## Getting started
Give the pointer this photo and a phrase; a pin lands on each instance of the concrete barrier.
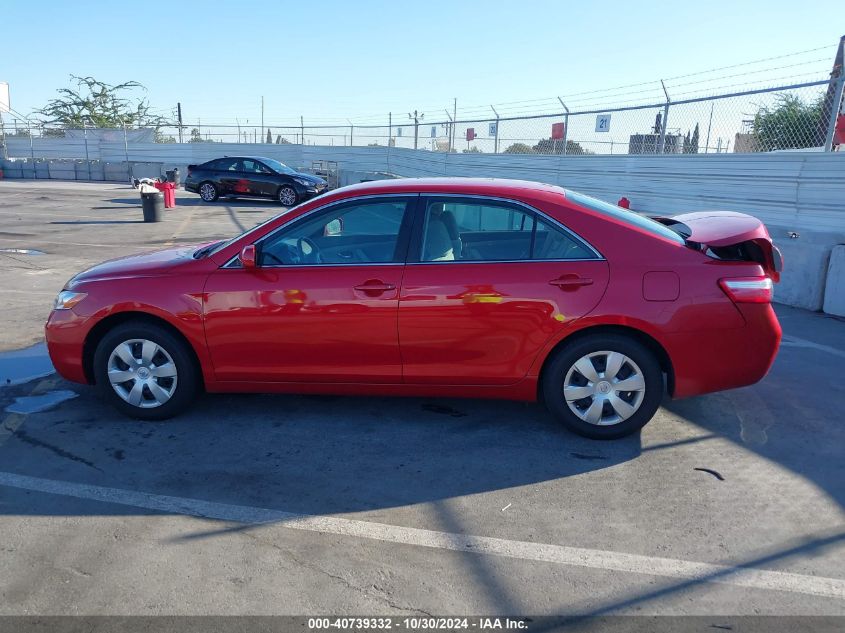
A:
(834, 294)
(804, 270)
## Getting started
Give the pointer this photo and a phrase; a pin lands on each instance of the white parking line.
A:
(556, 554)
(794, 341)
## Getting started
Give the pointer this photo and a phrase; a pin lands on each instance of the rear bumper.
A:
(716, 360)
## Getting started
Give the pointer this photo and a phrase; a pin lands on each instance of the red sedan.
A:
(436, 287)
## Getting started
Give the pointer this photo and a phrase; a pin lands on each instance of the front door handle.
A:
(571, 282)
(374, 286)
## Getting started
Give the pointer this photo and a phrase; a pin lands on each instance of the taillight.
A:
(747, 289)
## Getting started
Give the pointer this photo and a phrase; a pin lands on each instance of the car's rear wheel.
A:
(209, 192)
(603, 386)
(287, 196)
(145, 371)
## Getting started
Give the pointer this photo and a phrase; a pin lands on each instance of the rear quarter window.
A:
(623, 215)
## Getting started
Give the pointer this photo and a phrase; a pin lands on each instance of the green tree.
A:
(790, 123)
(519, 148)
(555, 146)
(269, 140)
(281, 140)
(98, 104)
(196, 137)
(693, 143)
(472, 150)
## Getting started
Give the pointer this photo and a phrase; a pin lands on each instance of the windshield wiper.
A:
(205, 250)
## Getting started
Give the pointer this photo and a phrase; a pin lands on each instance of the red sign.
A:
(557, 130)
(471, 134)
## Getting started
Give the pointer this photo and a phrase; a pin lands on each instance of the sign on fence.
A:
(557, 131)
(603, 123)
(492, 131)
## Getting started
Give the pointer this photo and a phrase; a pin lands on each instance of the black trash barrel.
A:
(153, 205)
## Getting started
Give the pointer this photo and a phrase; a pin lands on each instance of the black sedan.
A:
(252, 176)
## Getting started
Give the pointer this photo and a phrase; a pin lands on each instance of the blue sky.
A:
(333, 60)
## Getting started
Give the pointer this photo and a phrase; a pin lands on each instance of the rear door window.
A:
(478, 230)
(225, 164)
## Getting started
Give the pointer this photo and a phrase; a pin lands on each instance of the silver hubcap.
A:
(604, 388)
(287, 196)
(142, 373)
(207, 192)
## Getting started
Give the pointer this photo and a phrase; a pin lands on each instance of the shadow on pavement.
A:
(300, 454)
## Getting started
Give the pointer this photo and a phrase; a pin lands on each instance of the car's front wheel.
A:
(603, 386)
(208, 192)
(287, 196)
(145, 371)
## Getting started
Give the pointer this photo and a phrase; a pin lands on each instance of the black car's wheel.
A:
(287, 196)
(209, 192)
(603, 386)
(145, 371)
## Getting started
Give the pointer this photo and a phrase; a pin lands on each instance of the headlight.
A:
(67, 299)
(303, 182)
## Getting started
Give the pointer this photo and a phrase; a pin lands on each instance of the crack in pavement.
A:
(23, 436)
(363, 590)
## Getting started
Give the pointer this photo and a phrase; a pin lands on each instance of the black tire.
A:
(559, 366)
(287, 190)
(215, 195)
(185, 382)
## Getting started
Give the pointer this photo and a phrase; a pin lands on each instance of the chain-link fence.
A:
(796, 116)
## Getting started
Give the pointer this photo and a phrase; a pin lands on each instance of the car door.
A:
(262, 181)
(487, 283)
(322, 304)
(227, 171)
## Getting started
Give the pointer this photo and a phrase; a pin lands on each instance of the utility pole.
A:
(833, 99)
(262, 118)
(565, 124)
(454, 122)
(496, 137)
(302, 128)
(416, 117)
(238, 123)
(179, 117)
(661, 142)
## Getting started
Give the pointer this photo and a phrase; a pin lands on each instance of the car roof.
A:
(454, 185)
(242, 157)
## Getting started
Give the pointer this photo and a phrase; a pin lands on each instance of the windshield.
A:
(279, 167)
(629, 217)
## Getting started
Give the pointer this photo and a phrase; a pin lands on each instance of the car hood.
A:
(140, 265)
(310, 178)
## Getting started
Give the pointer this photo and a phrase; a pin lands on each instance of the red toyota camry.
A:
(436, 287)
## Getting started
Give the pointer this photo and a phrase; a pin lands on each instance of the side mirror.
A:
(335, 227)
(248, 257)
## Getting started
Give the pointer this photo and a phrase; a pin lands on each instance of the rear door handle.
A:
(571, 282)
(375, 286)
